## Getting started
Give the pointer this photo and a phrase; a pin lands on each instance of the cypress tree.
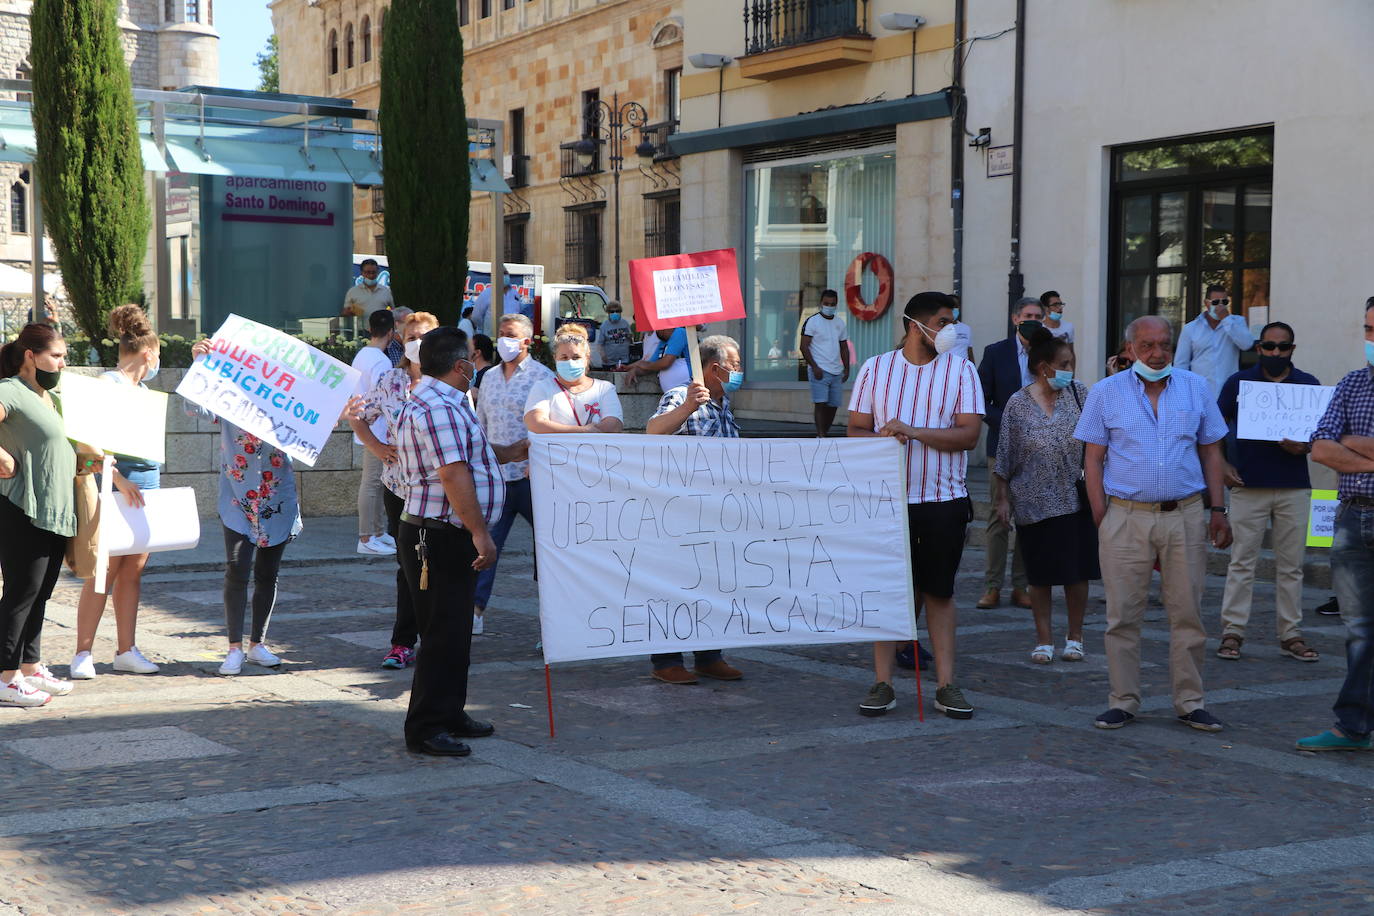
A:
(89, 166)
(425, 156)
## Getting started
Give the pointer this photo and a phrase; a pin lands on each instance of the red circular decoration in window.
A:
(853, 294)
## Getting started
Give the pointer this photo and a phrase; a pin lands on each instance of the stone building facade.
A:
(535, 66)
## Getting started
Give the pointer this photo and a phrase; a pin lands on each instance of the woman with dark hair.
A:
(1037, 479)
(37, 508)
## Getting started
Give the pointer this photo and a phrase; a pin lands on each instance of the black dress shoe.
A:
(468, 727)
(441, 745)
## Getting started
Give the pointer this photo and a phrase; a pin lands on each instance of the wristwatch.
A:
(1222, 509)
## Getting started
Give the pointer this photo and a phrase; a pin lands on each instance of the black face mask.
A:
(45, 379)
(1274, 365)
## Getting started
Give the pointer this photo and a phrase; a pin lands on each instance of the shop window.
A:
(1187, 214)
(809, 221)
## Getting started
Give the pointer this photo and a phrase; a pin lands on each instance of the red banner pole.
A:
(548, 692)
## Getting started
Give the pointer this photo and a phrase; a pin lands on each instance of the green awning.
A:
(17, 144)
(152, 159)
(216, 156)
(364, 166)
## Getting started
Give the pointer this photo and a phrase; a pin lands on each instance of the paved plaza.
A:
(291, 790)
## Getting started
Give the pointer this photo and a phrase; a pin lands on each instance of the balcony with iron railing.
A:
(785, 38)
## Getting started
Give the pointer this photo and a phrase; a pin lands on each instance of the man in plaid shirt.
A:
(1344, 442)
(698, 409)
(453, 490)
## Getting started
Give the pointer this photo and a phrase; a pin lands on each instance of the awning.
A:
(152, 159)
(17, 144)
(215, 156)
(486, 176)
(364, 166)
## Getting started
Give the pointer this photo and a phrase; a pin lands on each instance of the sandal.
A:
(1230, 647)
(1042, 655)
(1073, 650)
(1300, 650)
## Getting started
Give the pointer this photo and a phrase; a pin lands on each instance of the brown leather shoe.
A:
(991, 599)
(1020, 598)
(719, 670)
(675, 675)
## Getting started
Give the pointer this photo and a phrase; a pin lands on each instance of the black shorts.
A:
(937, 544)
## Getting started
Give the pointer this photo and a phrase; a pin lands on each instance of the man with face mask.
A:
(1269, 482)
(825, 348)
(615, 336)
(700, 407)
(368, 295)
(1211, 343)
(1152, 444)
(1004, 372)
(453, 491)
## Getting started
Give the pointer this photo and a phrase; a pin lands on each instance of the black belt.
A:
(432, 523)
(1364, 502)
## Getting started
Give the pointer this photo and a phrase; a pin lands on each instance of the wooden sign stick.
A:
(694, 353)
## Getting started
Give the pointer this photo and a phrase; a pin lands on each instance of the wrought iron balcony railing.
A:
(773, 24)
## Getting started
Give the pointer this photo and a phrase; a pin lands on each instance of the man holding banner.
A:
(453, 491)
(698, 409)
(933, 404)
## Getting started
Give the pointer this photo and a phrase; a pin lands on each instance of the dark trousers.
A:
(519, 502)
(242, 557)
(403, 630)
(674, 659)
(30, 561)
(1352, 573)
(443, 613)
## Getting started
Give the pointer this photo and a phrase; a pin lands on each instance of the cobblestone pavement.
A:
(290, 790)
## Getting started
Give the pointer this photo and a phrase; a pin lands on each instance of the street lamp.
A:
(613, 123)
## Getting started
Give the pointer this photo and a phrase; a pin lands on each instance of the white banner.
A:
(271, 385)
(1273, 412)
(652, 544)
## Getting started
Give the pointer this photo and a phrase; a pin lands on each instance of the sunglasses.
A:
(1218, 301)
(1269, 346)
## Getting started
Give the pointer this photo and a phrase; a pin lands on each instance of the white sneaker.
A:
(259, 655)
(233, 663)
(134, 662)
(83, 667)
(386, 539)
(19, 692)
(375, 547)
(477, 624)
(45, 681)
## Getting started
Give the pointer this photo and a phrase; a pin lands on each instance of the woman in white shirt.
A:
(573, 401)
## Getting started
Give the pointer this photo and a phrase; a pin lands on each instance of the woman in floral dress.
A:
(260, 514)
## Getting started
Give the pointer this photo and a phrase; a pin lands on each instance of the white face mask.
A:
(508, 348)
(947, 339)
(413, 350)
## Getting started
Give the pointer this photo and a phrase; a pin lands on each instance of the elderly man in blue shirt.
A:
(1153, 442)
(1211, 343)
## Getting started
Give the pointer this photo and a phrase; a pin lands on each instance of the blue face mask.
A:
(734, 382)
(956, 314)
(152, 373)
(1369, 352)
(612, 317)
(570, 370)
(1062, 379)
(1152, 375)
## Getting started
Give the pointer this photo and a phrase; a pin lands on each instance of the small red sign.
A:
(678, 290)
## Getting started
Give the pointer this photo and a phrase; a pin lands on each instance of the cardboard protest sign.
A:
(675, 543)
(1274, 412)
(271, 385)
(115, 418)
(680, 290)
(1321, 518)
(168, 520)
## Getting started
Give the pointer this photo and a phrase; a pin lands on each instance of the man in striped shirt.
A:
(933, 404)
(453, 492)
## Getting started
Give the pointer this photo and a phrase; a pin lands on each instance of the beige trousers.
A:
(1252, 508)
(998, 537)
(1129, 540)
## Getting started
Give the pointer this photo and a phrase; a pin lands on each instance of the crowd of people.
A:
(1137, 473)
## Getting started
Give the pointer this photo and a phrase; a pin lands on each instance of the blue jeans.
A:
(1352, 572)
(518, 502)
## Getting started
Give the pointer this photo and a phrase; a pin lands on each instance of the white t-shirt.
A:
(580, 408)
(369, 299)
(1065, 330)
(372, 362)
(827, 335)
(891, 388)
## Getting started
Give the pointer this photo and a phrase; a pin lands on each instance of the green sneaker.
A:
(881, 697)
(1330, 741)
(950, 701)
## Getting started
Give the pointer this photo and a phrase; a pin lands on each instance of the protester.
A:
(930, 401)
(139, 356)
(1053, 306)
(465, 323)
(1037, 475)
(511, 304)
(483, 357)
(963, 334)
(1344, 442)
(453, 490)
(1153, 444)
(615, 336)
(1269, 481)
(1210, 345)
(37, 508)
(825, 349)
(1003, 372)
(383, 404)
(501, 410)
(700, 407)
(573, 401)
(368, 296)
(668, 359)
(372, 363)
(260, 515)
